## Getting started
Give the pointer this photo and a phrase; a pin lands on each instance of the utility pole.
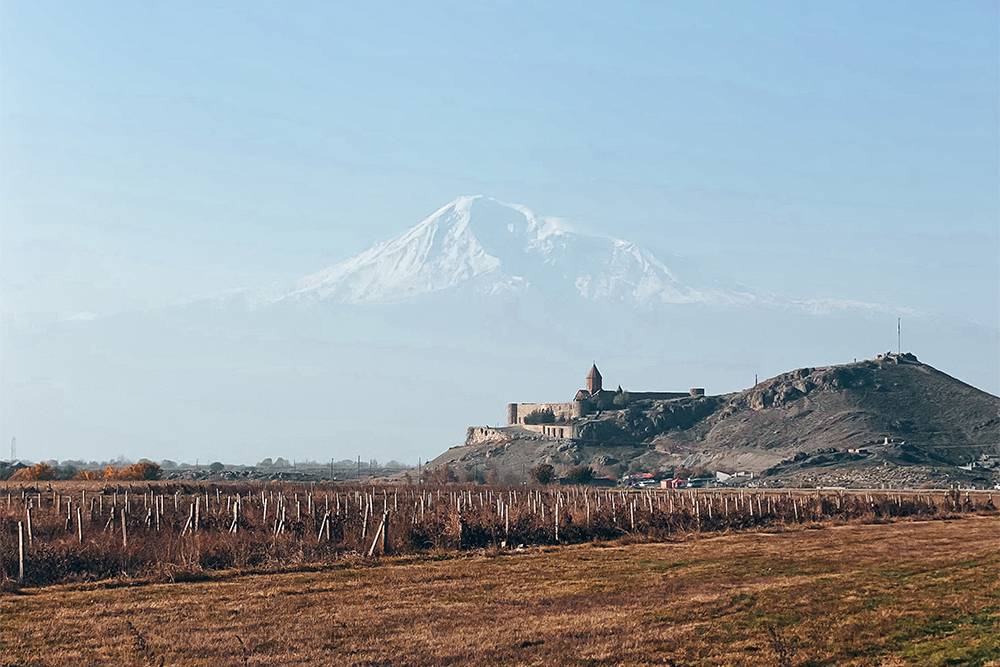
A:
(13, 449)
(359, 468)
(899, 338)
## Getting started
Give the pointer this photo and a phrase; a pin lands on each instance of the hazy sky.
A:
(150, 152)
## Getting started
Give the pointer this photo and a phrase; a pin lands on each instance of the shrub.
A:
(542, 473)
(543, 416)
(701, 472)
(138, 471)
(580, 474)
(442, 475)
(36, 472)
(621, 400)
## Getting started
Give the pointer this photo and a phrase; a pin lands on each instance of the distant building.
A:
(565, 420)
(565, 417)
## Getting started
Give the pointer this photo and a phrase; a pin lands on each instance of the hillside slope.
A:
(890, 419)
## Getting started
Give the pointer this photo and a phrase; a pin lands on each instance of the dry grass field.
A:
(907, 593)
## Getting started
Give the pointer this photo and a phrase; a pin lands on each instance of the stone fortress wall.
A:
(567, 415)
(478, 435)
(516, 412)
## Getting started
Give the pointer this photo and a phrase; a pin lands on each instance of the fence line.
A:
(133, 529)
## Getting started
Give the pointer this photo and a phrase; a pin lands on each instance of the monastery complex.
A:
(563, 420)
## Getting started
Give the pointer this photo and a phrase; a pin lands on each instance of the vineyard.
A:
(71, 531)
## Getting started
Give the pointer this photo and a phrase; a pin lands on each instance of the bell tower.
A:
(594, 380)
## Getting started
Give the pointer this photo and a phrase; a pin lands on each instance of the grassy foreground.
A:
(911, 593)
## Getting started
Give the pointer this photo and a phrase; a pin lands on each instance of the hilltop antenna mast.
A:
(899, 338)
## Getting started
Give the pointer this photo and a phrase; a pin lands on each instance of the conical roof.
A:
(594, 374)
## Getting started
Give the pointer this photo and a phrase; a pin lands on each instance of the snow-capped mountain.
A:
(492, 247)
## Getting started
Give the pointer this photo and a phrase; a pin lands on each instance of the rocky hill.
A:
(888, 420)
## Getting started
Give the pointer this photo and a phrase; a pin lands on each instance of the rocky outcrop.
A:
(873, 417)
(642, 421)
(788, 387)
(478, 435)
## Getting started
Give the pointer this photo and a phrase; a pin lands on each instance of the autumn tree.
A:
(542, 473)
(580, 474)
(135, 472)
(39, 471)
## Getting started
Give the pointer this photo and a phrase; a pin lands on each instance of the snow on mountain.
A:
(493, 247)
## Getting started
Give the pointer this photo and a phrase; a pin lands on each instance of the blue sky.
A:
(151, 152)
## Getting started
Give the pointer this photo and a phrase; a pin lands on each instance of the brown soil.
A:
(914, 593)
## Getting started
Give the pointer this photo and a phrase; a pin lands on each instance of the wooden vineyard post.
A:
(124, 533)
(557, 521)
(322, 526)
(187, 526)
(20, 551)
(236, 518)
(27, 512)
(79, 525)
(378, 532)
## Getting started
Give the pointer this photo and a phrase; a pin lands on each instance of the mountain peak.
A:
(493, 246)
